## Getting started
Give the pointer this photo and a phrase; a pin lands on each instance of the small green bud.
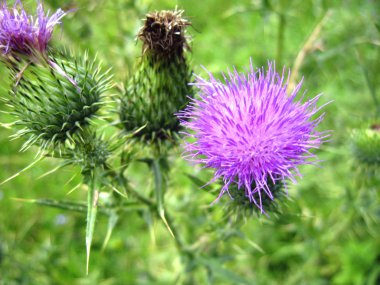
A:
(88, 151)
(160, 86)
(366, 145)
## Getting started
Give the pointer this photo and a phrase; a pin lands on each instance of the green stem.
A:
(158, 180)
(92, 203)
(371, 86)
(280, 38)
(158, 206)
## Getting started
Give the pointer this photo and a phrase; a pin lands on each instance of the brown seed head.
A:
(163, 33)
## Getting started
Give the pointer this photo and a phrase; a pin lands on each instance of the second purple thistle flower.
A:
(251, 131)
(23, 34)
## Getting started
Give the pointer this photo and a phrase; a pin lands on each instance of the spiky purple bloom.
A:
(251, 131)
(21, 33)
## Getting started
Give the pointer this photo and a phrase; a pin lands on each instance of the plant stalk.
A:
(92, 203)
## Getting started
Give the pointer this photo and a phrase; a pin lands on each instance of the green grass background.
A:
(328, 232)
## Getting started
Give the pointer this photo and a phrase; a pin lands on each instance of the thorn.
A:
(162, 216)
(21, 171)
(24, 200)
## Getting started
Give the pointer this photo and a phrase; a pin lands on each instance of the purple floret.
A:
(21, 33)
(251, 131)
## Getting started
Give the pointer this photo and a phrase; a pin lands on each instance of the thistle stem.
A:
(371, 87)
(306, 49)
(280, 37)
(92, 203)
(159, 180)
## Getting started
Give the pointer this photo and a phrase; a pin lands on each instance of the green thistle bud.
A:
(366, 145)
(53, 101)
(88, 151)
(159, 88)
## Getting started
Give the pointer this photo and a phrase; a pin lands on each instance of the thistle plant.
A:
(54, 97)
(156, 91)
(247, 128)
(159, 87)
(251, 132)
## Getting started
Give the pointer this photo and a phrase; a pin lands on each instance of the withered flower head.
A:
(163, 33)
(160, 85)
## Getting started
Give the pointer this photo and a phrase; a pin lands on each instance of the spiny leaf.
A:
(65, 205)
(201, 184)
(112, 221)
(159, 192)
(81, 207)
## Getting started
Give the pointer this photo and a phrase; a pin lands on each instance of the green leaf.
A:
(159, 192)
(64, 205)
(112, 221)
(201, 184)
(256, 246)
(216, 268)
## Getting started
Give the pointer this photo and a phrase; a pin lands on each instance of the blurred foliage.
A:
(328, 231)
(366, 146)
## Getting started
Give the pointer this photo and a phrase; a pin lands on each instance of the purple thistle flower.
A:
(24, 34)
(251, 131)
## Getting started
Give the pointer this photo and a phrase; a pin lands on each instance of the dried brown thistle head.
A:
(163, 33)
